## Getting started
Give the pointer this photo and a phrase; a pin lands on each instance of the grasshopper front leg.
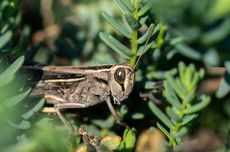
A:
(114, 114)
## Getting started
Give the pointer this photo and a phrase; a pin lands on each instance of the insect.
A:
(80, 87)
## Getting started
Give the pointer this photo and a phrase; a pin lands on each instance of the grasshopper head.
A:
(122, 82)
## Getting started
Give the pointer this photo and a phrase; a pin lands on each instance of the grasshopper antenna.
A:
(151, 28)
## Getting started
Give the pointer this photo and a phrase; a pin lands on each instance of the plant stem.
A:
(134, 44)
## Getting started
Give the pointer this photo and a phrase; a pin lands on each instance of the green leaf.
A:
(217, 34)
(172, 114)
(189, 73)
(227, 66)
(116, 45)
(160, 114)
(212, 58)
(143, 49)
(12, 101)
(188, 51)
(117, 26)
(138, 116)
(126, 24)
(14, 67)
(205, 100)
(34, 109)
(103, 123)
(181, 132)
(7, 80)
(189, 98)
(22, 125)
(224, 87)
(170, 95)
(177, 86)
(193, 85)
(188, 118)
(125, 6)
(164, 131)
(133, 23)
(182, 69)
(5, 38)
(144, 37)
(147, 6)
(151, 85)
(128, 141)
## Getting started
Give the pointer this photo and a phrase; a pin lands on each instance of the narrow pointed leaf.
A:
(116, 45)
(170, 95)
(188, 51)
(146, 35)
(34, 109)
(201, 73)
(126, 24)
(181, 132)
(188, 118)
(182, 69)
(124, 6)
(190, 97)
(22, 125)
(160, 114)
(5, 38)
(128, 140)
(193, 85)
(189, 74)
(165, 132)
(117, 26)
(141, 51)
(177, 86)
(198, 107)
(7, 80)
(133, 23)
(224, 87)
(171, 113)
(227, 66)
(12, 69)
(12, 101)
(147, 6)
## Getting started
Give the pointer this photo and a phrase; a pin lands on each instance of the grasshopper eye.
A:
(119, 75)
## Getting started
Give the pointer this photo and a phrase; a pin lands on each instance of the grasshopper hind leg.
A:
(60, 106)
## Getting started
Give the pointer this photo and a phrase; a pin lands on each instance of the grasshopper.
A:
(80, 87)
